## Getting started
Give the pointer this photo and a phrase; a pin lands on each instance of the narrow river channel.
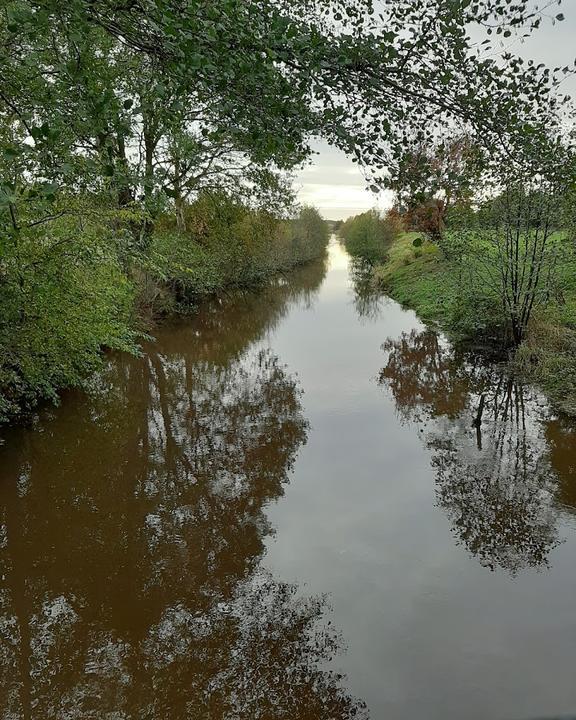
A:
(298, 504)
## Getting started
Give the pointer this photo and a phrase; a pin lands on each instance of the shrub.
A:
(427, 218)
(64, 297)
(81, 282)
(227, 244)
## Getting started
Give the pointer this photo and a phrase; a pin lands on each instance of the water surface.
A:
(298, 504)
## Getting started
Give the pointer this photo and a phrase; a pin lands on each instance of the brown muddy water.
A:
(285, 510)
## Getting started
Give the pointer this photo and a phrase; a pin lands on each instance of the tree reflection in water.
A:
(131, 530)
(499, 472)
(560, 439)
(368, 298)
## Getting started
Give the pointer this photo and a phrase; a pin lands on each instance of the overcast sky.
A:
(336, 186)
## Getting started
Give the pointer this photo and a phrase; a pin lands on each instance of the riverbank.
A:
(84, 284)
(422, 278)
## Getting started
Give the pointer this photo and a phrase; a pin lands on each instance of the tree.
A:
(428, 181)
(368, 236)
(516, 242)
(274, 71)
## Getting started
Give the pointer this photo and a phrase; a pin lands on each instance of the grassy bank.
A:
(450, 295)
(84, 283)
(416, 278)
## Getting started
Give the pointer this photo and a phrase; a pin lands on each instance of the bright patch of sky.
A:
(336, 186)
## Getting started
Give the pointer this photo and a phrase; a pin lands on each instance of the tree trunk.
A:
(178, 199)
(150, 142)
(125, 191)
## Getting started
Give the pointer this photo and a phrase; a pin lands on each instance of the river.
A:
(298, 504)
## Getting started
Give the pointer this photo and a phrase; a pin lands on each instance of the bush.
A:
(427, 218)
(64, 297)
(548, 356)
(309, 235)
(81, 282)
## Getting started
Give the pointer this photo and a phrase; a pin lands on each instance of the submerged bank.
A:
(422, 278)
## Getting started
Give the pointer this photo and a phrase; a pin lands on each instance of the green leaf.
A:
(11, 152)
(49, 189)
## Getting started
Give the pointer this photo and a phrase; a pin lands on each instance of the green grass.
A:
(548, 355)
(423, 279)
(417, 278)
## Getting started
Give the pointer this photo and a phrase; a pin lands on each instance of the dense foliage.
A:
(81, 287)
(229, 245)
(432, 182)
(260, 75)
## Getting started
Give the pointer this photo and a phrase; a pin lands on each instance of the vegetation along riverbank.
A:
(84, 286)
(444, 294)
(496, 271)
